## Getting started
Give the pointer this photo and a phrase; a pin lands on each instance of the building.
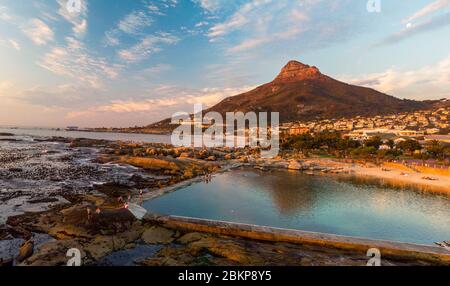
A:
(440, 138)
(72, 128)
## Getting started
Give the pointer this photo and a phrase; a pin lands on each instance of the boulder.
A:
(150, 163)
(185, 155)
(54, 253)
(158, 235)
(244, 159)
(203, 154)
(218, 153)
(191, 237)
(6, 263)
(295, 165)
(103, 245)
(229, 249)
(26, 250)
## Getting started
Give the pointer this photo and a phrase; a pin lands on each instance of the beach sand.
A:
(400, 177)
(391, 175)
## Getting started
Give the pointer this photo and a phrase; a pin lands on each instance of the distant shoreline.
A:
(125, 132)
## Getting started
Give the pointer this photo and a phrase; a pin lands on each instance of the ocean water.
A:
(46, 132)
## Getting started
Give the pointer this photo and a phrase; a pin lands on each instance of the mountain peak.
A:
(296, 71)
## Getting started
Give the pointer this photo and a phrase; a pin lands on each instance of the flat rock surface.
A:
(158, 235)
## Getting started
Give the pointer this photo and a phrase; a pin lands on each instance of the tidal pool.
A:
(314, 203)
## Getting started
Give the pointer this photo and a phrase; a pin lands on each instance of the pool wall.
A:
(388, 249)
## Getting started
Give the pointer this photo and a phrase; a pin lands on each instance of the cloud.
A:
(148, 45)
(430, 8)
(237, 20)
(201, 24)
(429, 82)
(112, 38)
(159, 68)
(135, 22)
(208, 97)
(209, 5)
(169, 3)
(59, 96)
(415, 29)
(4, 14)
(14, 44)
(152, 73)
(166, 105)
(154, 9)
(80, 28)
(255, 42)
(262, 22)
(122, 106)
(38, 32)
(75, 61)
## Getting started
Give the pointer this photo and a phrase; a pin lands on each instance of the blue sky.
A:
(126, 63)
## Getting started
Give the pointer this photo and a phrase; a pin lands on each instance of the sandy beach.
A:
(397, 176)
(390, 175)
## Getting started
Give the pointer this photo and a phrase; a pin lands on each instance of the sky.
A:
(121, 63)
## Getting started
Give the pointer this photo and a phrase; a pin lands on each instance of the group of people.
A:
(98, 211)
(124, 204)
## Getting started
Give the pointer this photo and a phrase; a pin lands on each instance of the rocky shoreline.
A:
(80, 185)
(49, 185)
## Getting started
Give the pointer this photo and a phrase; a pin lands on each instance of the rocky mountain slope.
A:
(302, 92)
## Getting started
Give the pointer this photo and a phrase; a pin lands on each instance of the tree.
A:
(390, 143)
(375, 142)
(303, 143)
(435, 149)
(409, 146)
(344, 146)
(364, 152)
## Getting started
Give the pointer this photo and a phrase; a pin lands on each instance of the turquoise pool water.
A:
(314, 203)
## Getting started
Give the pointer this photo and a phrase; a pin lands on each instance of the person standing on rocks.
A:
(141, 196)
(88, 210)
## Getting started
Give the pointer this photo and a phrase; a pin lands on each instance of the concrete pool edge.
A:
(388, 249)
